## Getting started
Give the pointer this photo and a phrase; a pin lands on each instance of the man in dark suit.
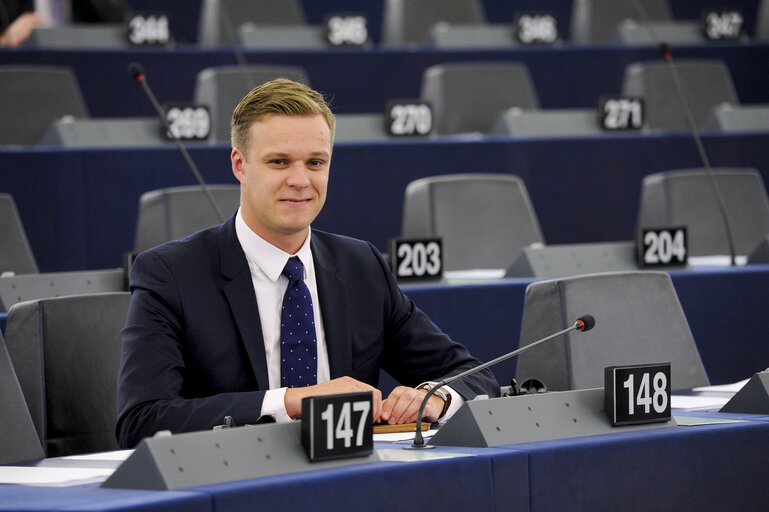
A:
(207, 335)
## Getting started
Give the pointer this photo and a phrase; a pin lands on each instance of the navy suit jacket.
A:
(193, 350)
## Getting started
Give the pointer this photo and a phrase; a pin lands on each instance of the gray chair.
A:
(762, 21)
(220, 19)
(408, 22)
(470, 96)
(707, 84)
(39, 95)
(66, 352)
(483, 219)
(596, 21)
(685, 198)
(222, 88)
(19, 441)
(173, 213)
(638, 320)
(15, 253)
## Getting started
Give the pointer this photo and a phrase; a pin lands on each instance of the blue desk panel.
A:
(708, 467)
(488, 480)
(19, 498)
(79, 207)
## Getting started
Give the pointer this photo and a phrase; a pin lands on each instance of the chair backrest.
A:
(32, 97)
(222, 88)
(685, 198)
(220, 19)
(410, 21)
(173, 213)
(762, 21)
(66, 351)
(638, 320)
(15, 253)
(596, 21)
(470, 96)
(19, 441)
(483, 219)
(707, 84)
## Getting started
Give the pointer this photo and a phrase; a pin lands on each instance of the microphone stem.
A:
(704, 157)
(418, 439)
(182, 148)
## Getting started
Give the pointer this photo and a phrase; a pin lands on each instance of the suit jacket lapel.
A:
(332, 293)
(239, 290)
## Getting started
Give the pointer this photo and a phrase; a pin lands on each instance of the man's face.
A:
(283, 176)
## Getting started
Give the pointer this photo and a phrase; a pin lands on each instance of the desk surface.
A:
(705, 467)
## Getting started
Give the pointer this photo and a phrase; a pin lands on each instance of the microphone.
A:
(582, 324)
(667, 56)
(137, 73)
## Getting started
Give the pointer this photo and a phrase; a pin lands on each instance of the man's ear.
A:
(238, 160)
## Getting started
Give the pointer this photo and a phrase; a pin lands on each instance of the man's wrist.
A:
(440, 393)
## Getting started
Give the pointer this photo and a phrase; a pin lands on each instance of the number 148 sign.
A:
(637, 393)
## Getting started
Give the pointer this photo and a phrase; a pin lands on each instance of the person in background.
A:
(18, 18)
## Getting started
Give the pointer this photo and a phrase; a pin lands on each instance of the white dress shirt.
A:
(266, 263)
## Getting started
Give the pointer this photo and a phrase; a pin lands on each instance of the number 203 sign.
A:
(637, 393)
(416, 259)
(337, 426)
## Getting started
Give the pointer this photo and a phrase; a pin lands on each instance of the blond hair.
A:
(280, 96)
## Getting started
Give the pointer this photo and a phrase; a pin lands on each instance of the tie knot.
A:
(294, 270)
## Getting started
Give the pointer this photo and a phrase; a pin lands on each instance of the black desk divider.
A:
(573, 259)
(753, 398)
(217, 456)
(527, 418)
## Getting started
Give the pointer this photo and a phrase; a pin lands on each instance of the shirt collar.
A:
(268, 258)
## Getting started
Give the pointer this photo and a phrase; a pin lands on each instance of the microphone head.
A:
(136, 70)
(664, 50)
(585, 323)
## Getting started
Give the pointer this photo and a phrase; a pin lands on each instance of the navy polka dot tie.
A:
(298, 344)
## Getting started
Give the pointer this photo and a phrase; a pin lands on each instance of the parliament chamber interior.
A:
(566, 157)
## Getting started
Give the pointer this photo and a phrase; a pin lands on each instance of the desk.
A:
(710, 467)
(725, 307)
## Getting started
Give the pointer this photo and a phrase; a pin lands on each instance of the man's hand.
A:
(403, 404)
(20, 29)
(294, 396)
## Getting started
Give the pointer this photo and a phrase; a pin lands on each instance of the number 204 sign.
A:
(637, 393)
(337, 426)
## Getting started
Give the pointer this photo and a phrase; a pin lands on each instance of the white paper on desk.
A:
(402, 455)
(478, 274)
(697, 402)
(403, 436)
(31, 475)
(717, 260)
(724, 388)
(118, 455)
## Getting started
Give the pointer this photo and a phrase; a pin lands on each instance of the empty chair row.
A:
(282, 24)
(484, 97)
(486, 221)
